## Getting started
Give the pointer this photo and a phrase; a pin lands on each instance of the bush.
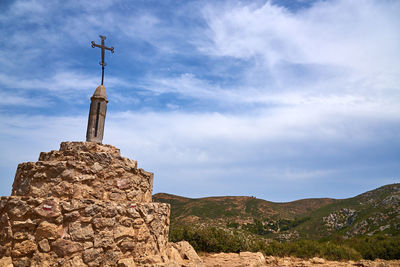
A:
(257, 228)
(209, 239)
(232, 225)
(212, 239)
(377, 247)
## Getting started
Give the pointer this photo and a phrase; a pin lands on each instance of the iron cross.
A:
(103, 48)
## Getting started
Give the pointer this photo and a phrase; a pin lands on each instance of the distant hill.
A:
(373, 212)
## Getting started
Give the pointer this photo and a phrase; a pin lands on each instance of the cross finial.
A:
(103, 48)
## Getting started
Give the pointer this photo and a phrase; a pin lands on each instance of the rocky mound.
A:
(85, 205)
(84, 170)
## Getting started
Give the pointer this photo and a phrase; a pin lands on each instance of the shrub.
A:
(212, 239)
(209, 239)
(377, 247)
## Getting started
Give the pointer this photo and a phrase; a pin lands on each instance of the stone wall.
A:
(84, 170)
(85, 205)
(77, 232)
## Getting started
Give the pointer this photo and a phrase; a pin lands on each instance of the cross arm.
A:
(102, 47)
(95, 45)
(110, 48)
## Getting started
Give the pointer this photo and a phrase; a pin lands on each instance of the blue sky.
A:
(280, 100)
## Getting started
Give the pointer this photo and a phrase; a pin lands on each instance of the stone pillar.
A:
(97, 115)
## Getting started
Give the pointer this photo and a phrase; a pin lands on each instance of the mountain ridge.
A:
(371, 212)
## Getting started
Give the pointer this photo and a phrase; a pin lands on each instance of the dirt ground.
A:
(250, 259)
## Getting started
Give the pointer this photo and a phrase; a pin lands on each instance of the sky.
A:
(280, 99)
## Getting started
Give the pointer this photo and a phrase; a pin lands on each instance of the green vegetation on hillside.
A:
(376, 247)
(213, 239)
(366, 226)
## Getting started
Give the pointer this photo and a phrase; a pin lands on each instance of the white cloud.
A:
(186, 84)
(359, 35)
(336, 48)
(61, 84)
(213, 138)
(193, 152)
(18, 99)
(313, 97)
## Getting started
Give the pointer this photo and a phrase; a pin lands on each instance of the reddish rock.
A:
(120, 231)
(48, 230)
(128, 262)
(24, 248)
(65, 247)
(127, 244)
(93, 256)
(100, 223)
(43, 260)
(71, 216)
(44, 245)
(6, 262)
(81, 231)
(48, 209)
(123, 184)
(21, 235)
(17, 208)
(104, 239)
(186, 251)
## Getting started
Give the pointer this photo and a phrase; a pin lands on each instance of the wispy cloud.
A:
(63, 84)
(18, 99)
(333, 46)
(207, 149)
(341, 33)
(216, 98)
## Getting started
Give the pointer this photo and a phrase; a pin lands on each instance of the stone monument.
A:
(86, 205)
(98, 105)
(97, 115)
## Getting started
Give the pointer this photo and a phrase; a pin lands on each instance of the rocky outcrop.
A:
(340, 219)
(183, 254)
(85, 205)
